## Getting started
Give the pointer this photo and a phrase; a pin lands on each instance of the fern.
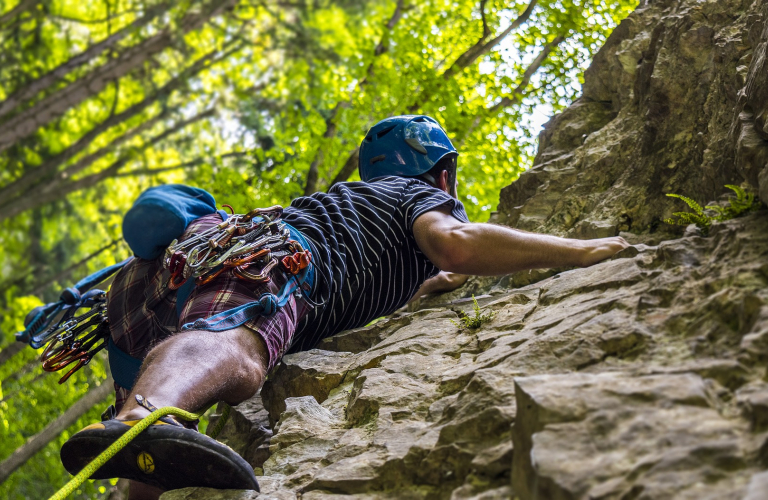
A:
(695, 206)
(467, 321)
(742, 203)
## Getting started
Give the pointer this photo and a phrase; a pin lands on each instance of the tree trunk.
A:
(10, 351)
(20, 187)
(50, 108)
(23, 6)
(349, 167)
(41, 439)
(33, 88)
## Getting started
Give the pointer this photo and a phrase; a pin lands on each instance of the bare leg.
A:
(192, 370)
(196, 368)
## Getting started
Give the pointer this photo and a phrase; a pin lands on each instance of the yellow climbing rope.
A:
(126, 438)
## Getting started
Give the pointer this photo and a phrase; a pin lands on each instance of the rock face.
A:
(643, 377)
(675, 102)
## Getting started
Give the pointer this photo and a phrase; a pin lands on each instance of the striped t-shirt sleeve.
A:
(421, 198)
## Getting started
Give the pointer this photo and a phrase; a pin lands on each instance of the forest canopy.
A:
(257, 102)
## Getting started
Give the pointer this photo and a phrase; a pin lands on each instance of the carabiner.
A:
(263, 276)
(81, 363)
(174, 284)
(249, 258)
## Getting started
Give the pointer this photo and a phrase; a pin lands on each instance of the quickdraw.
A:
(77, 339)
(241, 244)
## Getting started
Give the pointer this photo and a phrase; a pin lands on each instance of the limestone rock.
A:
(247, 431)
(758, 487)
(656, 436)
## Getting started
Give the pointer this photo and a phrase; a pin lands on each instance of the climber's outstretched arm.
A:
(443, 282)
(488, 249)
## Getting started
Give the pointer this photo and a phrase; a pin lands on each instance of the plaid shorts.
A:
(142, 309)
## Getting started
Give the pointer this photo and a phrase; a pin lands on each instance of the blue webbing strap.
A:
(124, 367)
(70, 300)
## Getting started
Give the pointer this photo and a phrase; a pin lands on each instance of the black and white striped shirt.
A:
(367, 261)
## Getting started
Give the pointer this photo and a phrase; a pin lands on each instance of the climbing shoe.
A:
(166, 455)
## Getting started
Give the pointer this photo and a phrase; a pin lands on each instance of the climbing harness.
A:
(250, 246)
(126, 438)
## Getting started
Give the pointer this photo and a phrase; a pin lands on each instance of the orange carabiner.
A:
(54, 365)
(233, 262)
(173, 284)
(81, 363)
(49, 352)
(296, 262)
(207, 278)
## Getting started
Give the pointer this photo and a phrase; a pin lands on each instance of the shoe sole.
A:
(165, 456)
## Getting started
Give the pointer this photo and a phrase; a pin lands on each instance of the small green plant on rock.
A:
(467, 321)
(743, 202)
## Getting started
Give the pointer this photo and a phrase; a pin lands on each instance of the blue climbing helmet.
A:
(408, 146)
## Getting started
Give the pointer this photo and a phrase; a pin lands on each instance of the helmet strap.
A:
(429, 178)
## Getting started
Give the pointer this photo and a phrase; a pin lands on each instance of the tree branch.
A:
(76, 168)
(56, 190)
(153, 171)
(42, 284)
(21, 186)
(482, 47)
(519, 92)
(32, 88)
(185, 165)
(349, 167)
(50, 108)
(41, 439)
(330, 122)
(38, 288)
(93, 21)
(21, 7)
(10, 351)
(88, 160)
(507, 101)
(486, 28)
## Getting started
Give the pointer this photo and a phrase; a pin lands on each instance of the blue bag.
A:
(158, 216)
(161, 214)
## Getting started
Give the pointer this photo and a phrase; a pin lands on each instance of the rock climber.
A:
(375, 245)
